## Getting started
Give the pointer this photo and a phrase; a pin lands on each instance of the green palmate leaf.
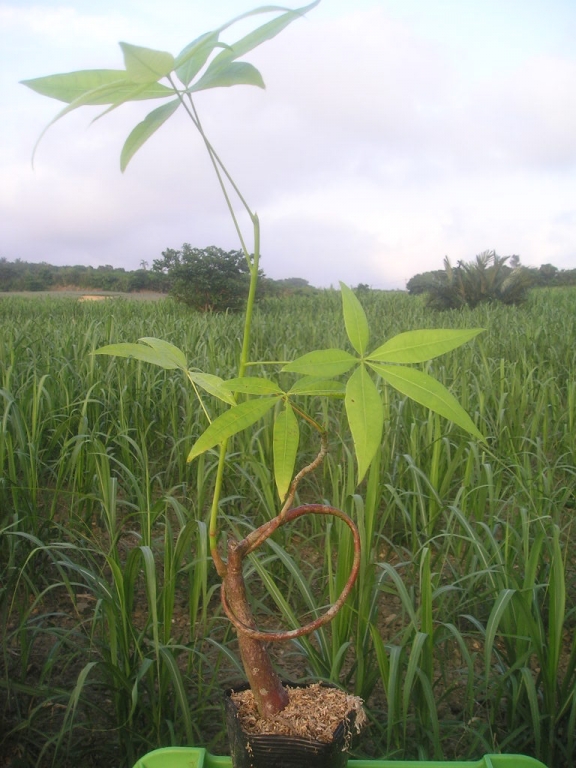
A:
(230, 423)
(427, 391)
(322, 363)
(233, 73)
(285, 446)
(71, 85)
(145, 129)
(193, 57)
(225, 70)
(214, 385)
(422, 345)
(145, 65)
(365, 414)
(354, 320)
(263, 33)
(169, 351)
(312, 385)
(251, 385)
(115, 93)
(149, 351)
(95, 87)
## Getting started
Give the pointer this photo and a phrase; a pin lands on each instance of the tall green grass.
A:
(459, 633)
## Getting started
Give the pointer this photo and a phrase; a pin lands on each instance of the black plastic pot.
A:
(277, 751)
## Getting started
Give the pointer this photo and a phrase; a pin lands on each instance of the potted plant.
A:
(355, 375)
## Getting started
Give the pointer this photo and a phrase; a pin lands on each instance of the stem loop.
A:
(264, 532)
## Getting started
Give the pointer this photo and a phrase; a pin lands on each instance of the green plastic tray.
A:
(196, 757)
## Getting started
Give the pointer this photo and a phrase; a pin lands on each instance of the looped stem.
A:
(238, 550)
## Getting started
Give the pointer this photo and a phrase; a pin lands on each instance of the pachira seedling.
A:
(357, 374)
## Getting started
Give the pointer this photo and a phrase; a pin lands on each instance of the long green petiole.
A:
(243, 363)
(219, 168)
(213, 525)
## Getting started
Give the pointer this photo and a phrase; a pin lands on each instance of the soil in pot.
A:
(314, 731)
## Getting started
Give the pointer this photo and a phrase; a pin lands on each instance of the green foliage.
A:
(487, 279)
(549, 275)
(363, 402)
(26, 276)
(101, 447)
(21, 275)
(207, 280)
(546, 275)
(250, 399)
(289, 286)
(144, 68)
(423, 282)
(364, 406)
(211, 279)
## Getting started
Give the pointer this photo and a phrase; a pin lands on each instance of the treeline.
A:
(21, 275)
(487, 278)
(544, 275)
(25, 276)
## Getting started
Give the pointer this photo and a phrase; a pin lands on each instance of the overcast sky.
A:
(391, 133)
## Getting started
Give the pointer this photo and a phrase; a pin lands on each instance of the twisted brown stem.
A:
(239, 550)
(269, 693)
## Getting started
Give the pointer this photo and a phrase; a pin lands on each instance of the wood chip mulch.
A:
(313, 712)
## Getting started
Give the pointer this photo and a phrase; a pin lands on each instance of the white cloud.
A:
(373, 153)
(62, 24)
(535, 113)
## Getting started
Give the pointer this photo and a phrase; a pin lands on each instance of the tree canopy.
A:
(21, 275)
(219, 278)
(487, 278)
(206, 279)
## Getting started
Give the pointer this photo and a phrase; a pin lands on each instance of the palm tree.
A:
(487, 278)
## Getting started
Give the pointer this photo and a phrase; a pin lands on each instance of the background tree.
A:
(8, 275)
(289, 286)
(486, 279)
(207, 279)
(424, 281)
(547, 274)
